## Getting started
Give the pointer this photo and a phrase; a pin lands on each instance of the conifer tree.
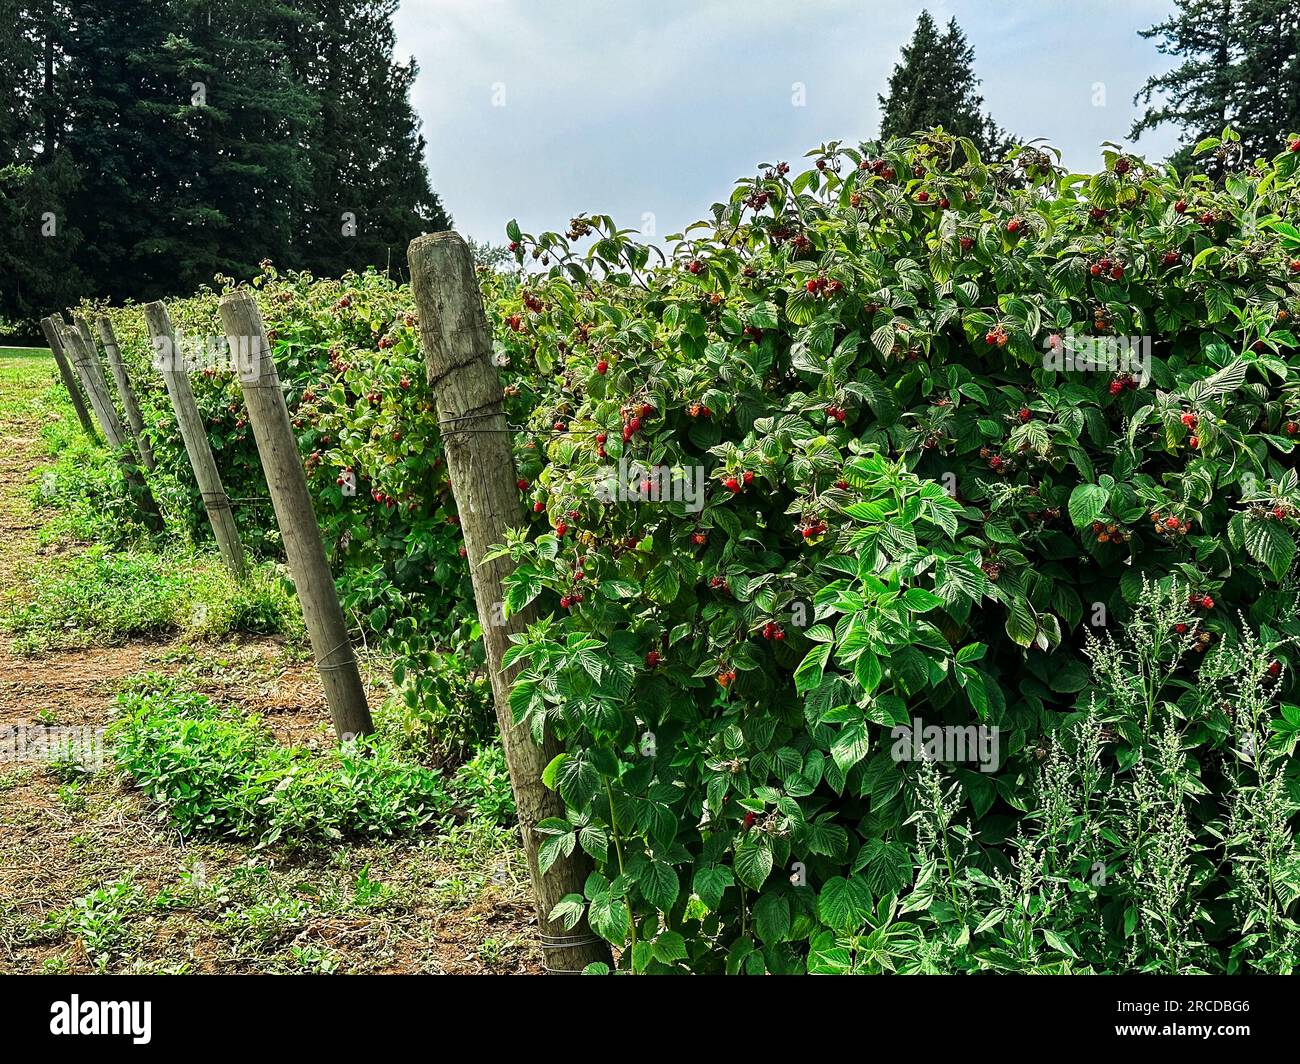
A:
(934, 84)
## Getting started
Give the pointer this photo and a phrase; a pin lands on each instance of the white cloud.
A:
(627, 107)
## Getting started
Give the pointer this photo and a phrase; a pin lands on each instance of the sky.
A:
(649, 110)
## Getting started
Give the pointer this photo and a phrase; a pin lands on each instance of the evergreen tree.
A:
(38, 244)
(934, 84)
(178, 139)
(1239, 67)
(370, 191)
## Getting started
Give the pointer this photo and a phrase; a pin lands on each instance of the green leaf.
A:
(711, 883)
(851, 745)
(1087, 503)
(662, 584)
(1270, 543)
(569, 910)
(658, 883)
(772, 917)
(808, 676)
(753, 861)
(844, 904)
(918, 600)
(669, 947)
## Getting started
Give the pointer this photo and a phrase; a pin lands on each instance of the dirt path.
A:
(92, 879)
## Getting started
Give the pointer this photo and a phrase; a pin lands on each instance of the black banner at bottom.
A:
(300, 1013)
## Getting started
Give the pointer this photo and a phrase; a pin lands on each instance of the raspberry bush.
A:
(832, 466)
(913, 508)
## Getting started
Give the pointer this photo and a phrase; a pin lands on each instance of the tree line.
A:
(1237, 64)
(146, 147)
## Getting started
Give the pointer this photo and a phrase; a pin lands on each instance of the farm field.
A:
(92, 880)
(793, 500)
(842, 611)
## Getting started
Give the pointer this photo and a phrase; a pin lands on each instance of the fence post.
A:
(97, 390)
(69, 381)
(282, 463)
(124, 390)
(467, 392)
(176, 375)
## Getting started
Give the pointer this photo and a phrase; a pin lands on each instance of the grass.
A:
(95, 876)
(105, 597)
(217, 772)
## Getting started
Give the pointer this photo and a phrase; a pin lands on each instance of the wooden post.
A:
(177, 377)
(69, 381)
(124, 391)
(92, 378)
(467, 392)
(281, 462)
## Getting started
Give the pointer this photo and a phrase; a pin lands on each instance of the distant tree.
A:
(146, 147)
(934, 84)
(1240, 67)
(370, 193)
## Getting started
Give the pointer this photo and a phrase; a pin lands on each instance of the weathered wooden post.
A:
(69, 380)
(467, 391)
(124, 390)
(176, 374)
(96, 387)
(281, 462)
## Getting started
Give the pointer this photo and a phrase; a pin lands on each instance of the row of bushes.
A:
(917, 504)
(897, 433)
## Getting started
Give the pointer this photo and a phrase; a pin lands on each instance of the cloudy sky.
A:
(648, 110)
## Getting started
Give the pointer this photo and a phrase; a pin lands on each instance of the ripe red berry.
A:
(747, 477)
(1291, 428)
(843, 485)
(1274, 668)
(1014, 225)
(922, 196)
(560, 426)
(1189, 419)
(602, 367)
(601, 437)
(462, 552)
(966, 243)
(1180, 207)
(1194, 443)
(1207, 603)
(1024, 414)
(731, 484)
(561, 528)
(1122, 165)
(652, 659)
(1170, 258)
(699, 538)
(539, 506)
(1294, 145)
(1295, 266)
(1180, 628)
(943, 203)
